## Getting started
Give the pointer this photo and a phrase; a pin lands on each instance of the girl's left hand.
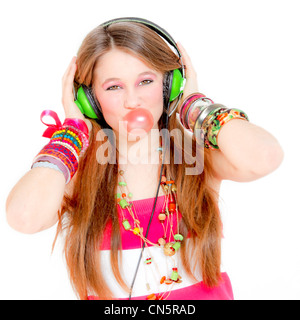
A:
(191, 85)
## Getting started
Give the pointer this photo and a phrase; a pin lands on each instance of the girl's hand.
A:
(70, 107)
(191, 85)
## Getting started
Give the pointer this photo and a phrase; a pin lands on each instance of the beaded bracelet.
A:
(68, 137)
(80, 129)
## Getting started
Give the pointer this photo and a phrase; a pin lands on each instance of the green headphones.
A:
(173, 84)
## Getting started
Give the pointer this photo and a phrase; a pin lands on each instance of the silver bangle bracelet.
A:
(195, 109)
(205, 113)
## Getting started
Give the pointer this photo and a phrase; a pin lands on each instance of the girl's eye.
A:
(116, 87)
(113, 88)
(145, 82)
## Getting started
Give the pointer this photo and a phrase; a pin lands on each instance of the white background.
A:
(246, 54)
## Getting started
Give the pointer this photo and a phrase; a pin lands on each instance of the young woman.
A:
(137, 224)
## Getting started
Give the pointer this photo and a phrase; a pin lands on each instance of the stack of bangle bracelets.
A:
(204, 118)
(67, 142)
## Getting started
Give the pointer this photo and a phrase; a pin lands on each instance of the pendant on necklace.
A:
(168, 249)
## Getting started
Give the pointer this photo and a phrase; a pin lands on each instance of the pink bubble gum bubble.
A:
(139, 120)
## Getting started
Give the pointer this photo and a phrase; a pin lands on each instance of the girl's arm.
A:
(34, 201)
(247, 152)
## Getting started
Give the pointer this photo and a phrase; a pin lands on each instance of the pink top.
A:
(131, 249)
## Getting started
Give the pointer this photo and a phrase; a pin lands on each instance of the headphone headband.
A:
(162, 32)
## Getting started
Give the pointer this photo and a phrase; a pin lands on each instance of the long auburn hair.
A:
(86, 212)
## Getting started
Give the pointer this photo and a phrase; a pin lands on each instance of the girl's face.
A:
(122, 83)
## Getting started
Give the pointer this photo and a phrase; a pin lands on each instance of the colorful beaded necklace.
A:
(169, 242)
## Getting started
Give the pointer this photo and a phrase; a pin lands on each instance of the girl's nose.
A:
(131, 100)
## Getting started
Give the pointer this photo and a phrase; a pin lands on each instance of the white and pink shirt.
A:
(149, 275)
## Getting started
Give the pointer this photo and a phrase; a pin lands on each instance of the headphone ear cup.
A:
(87, 104)
(177, 84)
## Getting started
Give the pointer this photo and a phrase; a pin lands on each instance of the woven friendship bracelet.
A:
(63, 154)
(68, 146)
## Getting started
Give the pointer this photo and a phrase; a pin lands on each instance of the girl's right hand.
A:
(70, 107)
